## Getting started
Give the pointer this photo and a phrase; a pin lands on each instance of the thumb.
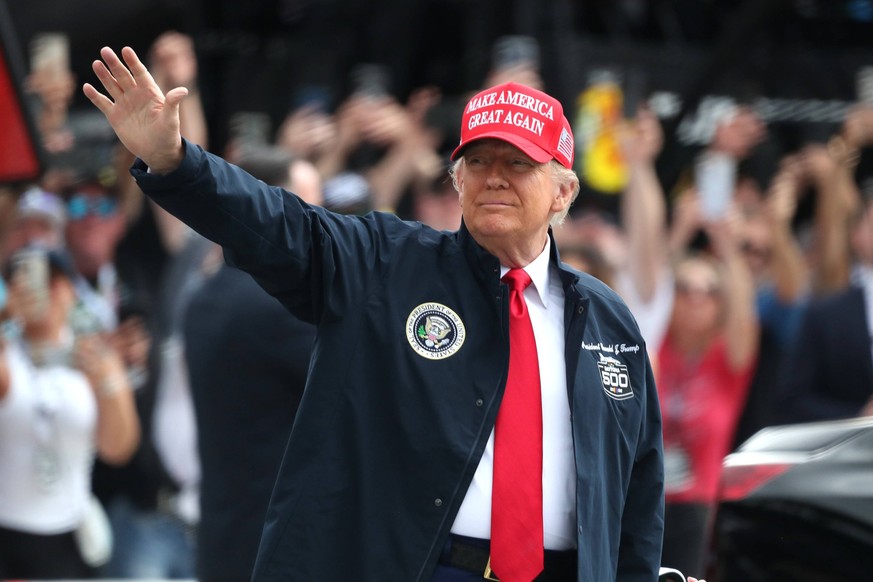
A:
(174, 99)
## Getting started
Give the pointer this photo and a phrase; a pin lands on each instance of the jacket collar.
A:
(488, 267)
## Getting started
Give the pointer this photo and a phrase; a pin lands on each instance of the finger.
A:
(101, 101)
(107, 79)
(140, 72)
(117, 68)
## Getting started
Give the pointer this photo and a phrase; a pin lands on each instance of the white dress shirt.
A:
(545, 302)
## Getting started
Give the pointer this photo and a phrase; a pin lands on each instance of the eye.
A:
(521, 163)
(474, 160)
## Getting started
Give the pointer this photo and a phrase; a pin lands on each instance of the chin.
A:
(492, 226)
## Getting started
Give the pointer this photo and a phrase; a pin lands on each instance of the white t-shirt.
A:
(48, 425)
(653, 317)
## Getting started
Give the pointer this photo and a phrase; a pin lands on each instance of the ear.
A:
(562, 197)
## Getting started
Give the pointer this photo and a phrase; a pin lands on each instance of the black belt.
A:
(474, 555)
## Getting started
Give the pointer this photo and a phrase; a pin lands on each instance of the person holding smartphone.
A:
(63, 398)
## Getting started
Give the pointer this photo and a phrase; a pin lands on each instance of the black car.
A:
(796, 504)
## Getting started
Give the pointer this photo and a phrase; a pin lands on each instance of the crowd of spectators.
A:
(755, 313)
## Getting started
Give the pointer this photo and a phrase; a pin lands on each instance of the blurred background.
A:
(797, 59)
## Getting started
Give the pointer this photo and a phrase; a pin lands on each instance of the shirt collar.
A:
(539, 273)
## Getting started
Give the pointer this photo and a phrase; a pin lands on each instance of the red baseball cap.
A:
(529, 119)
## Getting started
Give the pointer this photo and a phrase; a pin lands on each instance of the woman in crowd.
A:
(705, 365)
(63, 395)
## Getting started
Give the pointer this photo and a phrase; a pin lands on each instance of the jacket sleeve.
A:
(642, 522)
(315, 262)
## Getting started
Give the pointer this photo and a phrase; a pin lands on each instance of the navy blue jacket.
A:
(407, 373)
(829, 374)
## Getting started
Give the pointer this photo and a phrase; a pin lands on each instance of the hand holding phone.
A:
(30, 282)
(633, 89)
(371, 80)
(864, 85)
(250, 128)
(50, 52)
(513, 51)
(51, 79)
(715, 180)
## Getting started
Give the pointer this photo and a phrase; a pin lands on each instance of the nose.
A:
(496, 179)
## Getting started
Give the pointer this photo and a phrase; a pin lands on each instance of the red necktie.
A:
(517, 495)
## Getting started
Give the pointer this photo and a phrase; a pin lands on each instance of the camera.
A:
(515, 51)
(371, 80)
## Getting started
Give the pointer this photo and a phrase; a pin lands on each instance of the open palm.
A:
(144, 119)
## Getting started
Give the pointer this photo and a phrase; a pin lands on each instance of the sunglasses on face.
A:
(80, 205)
(686, 288)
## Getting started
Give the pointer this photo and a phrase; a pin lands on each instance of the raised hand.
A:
(142, 116)
(738, 135)
(642, 140)
(99, 361)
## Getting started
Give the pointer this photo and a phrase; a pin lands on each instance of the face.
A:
(698, 303)
(95, 226)
(756, 246)
(506, 196)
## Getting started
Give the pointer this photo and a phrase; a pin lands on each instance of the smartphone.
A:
(317, 97)
(515, 51)
(250, 128)
(864, 85)
(715, 176)
(50, 51)
(371, 80)
(31, 265)
(633, 89)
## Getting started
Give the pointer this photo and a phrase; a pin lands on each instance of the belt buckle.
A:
(488, 574)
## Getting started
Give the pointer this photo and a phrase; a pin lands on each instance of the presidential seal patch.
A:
(434, 331)
(615, 379)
